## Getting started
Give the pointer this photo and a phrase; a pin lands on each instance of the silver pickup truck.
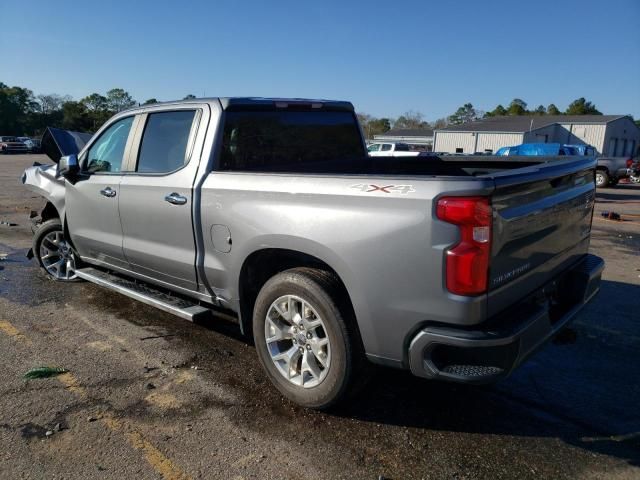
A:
(456, 268)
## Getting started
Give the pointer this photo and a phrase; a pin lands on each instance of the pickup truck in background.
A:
(609, 170)
(536, 149)
(390, 149)
(455, 268)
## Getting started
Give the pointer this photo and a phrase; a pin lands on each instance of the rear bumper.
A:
(485, 355)
(623, 173)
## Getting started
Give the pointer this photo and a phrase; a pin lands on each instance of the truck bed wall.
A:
(386, 247)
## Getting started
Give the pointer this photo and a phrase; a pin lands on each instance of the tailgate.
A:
(541, 225)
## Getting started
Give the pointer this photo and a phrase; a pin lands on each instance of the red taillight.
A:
(629, 162)
(467, 263)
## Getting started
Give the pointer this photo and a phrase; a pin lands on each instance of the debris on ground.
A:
(3, 256)
(611, 216)
(44, 372)
(158, 336)
(150, 386)
(8, 224)
(91, 419)
(48, 433)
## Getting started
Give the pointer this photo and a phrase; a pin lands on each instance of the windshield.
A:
(290, 141)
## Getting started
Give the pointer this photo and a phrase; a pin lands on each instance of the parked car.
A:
(391, 149)
(272, 210)
(33, 145)
(10, 144)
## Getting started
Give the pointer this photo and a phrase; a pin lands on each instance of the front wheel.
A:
(305, 343)
(602, 178)
(54, 252)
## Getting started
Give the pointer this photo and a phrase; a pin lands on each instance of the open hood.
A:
(57, 143)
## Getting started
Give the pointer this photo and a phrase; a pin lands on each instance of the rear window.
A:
(290, 141)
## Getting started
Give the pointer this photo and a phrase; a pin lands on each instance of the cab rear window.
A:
(290, 141)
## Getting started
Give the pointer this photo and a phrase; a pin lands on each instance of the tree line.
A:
(24, 113)
(468, 113)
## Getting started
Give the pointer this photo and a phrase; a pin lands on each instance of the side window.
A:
(164, 142)
(107, 153)
(374, 147)
(386, 147)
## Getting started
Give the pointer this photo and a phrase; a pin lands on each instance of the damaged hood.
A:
(57, 143)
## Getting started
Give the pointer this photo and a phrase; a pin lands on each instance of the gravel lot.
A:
(151, 396)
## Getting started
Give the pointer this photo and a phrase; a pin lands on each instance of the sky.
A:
(385, 57)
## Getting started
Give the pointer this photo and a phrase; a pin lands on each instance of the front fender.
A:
(41, 179)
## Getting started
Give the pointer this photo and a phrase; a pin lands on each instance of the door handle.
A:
(108, 192)
(175, 199)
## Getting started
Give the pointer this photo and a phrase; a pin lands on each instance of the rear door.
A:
(156, 196)
(91, 202)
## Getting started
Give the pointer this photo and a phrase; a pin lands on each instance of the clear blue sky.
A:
(386, 57)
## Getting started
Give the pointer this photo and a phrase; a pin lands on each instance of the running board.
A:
(145, 293)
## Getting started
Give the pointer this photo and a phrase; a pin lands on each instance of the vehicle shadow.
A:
(584, 391)
(613, 197)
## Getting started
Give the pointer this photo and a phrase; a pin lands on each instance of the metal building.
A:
(411, 136)
(611, 135)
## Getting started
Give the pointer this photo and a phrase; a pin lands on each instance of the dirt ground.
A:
(149, 395)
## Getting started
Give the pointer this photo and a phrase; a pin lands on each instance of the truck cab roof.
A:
(259, 103)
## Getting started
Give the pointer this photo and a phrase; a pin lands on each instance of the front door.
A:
(91, 203)
(156, 198)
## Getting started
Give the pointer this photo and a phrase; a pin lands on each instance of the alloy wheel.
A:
(57, 256)
(297, 341)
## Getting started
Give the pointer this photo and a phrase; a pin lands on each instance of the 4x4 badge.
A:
(367, 188)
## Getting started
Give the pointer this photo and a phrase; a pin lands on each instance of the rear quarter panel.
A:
(384, 244)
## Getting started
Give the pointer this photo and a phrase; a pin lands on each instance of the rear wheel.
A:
(602, 178)
(54, 252)
(303, 339)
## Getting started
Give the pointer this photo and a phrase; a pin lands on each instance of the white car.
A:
(390, 149)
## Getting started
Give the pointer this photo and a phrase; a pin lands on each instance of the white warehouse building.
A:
(611, 135)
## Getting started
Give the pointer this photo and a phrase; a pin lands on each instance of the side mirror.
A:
(68, 167)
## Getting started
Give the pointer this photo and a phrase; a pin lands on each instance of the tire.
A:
(602, 178)
(321, 301)
(51, 248)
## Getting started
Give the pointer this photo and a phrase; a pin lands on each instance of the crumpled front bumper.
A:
(486, 354)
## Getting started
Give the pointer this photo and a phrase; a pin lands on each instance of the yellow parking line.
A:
(155, 458)
(72, 384)
(13, 332)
